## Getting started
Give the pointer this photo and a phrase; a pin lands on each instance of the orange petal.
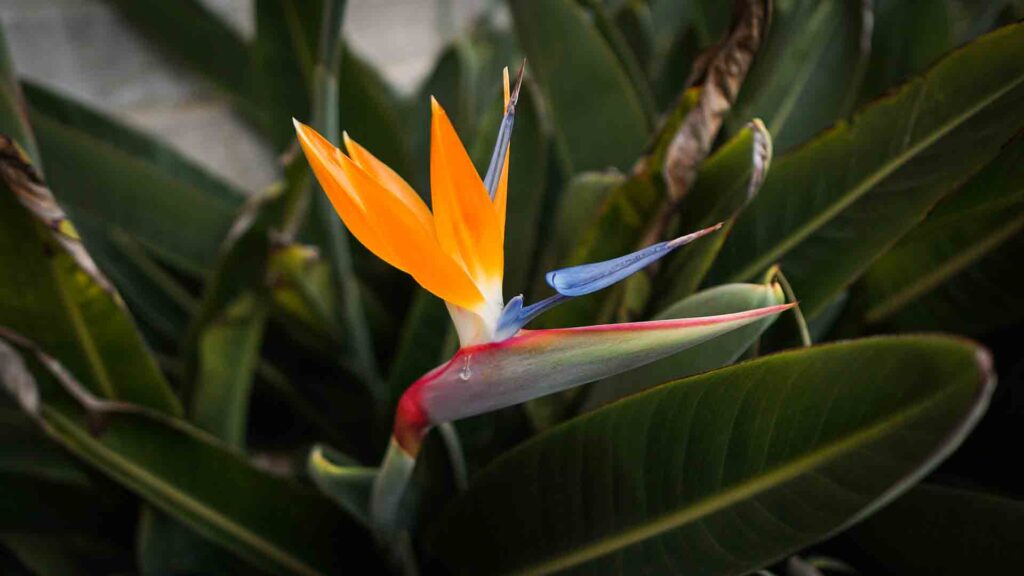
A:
(386, 224)
(413, 244)
(465, 218)
(508, 92)
(388, 178)
(501, 194)
(321, 157)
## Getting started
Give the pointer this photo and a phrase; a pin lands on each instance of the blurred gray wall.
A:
(84, 49)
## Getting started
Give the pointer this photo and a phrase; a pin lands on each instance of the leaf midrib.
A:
(744, 490)
(866, 184)
(116, 465)
(944, 271)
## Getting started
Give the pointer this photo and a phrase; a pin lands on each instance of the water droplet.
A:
(465, 373)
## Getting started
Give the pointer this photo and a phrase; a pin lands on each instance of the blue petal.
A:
(504, 137)
(515, 315)
(587, 278)
(500, 151)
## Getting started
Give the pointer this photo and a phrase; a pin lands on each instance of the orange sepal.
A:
(466, 221)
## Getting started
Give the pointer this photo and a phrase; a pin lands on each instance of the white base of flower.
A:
(476, 326)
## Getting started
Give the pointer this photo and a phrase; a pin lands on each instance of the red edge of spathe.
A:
(412, 420)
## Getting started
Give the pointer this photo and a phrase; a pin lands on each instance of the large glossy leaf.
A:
(937, 530)
(726, 471)
(127, 181)
(597, 114)
(715, 353)
(187, 474)
(958, 270)
(806, 72)
(860, 186)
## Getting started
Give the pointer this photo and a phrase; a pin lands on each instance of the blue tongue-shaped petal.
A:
(587, 278)
(584, 279)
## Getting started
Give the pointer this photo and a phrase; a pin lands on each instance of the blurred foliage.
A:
(174, 346)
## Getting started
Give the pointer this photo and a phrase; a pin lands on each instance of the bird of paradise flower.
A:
(456, 252)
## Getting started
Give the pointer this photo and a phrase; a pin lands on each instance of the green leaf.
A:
(723, 472)
(43, 489)
(343, 480)
(156, 299)
(229, 351)
(859, 187)
(222, 349)
(802, 78)
(124, 180)
(720, 351)
(52, 293)
(165, 546)
(598, 115)
(636, 24)
(960, 268)
(73, 554)
(628, 59)
(282, 56)
(937, 530)
(300, 283)
(907, 38)
(188, 31)
(213, 489)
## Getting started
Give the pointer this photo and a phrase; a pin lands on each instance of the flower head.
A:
(456, 252)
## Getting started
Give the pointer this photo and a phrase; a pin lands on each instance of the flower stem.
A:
(388, 490)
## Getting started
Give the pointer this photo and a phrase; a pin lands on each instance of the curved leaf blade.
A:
(938, 530)
(958, 270)
(598, 116)
(860, 186)
(726, 471)
(187, 474)
(117, 176)
(53, 293)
